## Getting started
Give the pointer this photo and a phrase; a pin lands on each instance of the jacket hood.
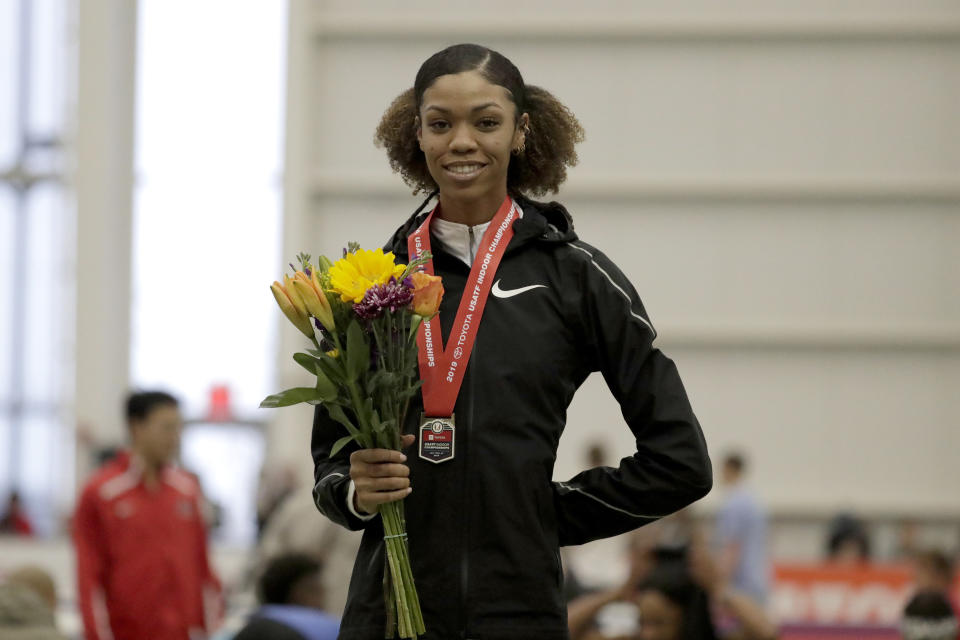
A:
(547, 222)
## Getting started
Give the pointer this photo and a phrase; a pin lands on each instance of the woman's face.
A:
(660, 619)
(467, 129)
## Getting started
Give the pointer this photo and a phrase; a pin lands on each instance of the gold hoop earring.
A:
(523, 143)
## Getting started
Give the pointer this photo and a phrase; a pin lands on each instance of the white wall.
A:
(780, 180)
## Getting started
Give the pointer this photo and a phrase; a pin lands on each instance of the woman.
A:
(484, 519)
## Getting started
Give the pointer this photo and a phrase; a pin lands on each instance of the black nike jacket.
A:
(485, 528)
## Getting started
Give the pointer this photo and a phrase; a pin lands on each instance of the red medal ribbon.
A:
(442, 369)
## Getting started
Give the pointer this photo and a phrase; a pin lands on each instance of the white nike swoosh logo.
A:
(509, 293)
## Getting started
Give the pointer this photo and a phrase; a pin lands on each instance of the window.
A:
(36, 221)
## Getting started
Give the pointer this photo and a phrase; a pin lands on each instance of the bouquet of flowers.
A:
(365, 312)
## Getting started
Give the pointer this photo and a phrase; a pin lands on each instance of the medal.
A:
(436, 439)
(442, 370)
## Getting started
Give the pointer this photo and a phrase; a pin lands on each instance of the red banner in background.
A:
(832, 595)
(831, 602)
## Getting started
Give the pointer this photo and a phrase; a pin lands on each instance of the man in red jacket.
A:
(142, 567)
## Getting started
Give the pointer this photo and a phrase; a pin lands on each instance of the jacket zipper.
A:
(464, 559)
(470, 247)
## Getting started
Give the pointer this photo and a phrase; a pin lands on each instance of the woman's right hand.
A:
(379, 476)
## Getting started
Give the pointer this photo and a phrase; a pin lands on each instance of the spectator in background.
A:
(847, 540)
(929, 616)
(28, 599)
(676, 592)
(292, 598)
(587, 568)
(741, 532)
(297, 526)
(584, 608)
(276, 484)
(908, 533)
(933, 571)
(142, 567)
(14, 520)
(596, 455)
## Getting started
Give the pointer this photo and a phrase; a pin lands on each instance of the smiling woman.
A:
(468, 130)
(547, 148)
(484, 520)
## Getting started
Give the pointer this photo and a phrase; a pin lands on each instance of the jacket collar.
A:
(542, 222)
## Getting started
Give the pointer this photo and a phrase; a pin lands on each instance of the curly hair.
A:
(550, 140)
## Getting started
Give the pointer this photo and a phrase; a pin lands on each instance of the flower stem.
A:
(409, 614)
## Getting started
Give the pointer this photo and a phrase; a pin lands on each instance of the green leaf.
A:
(375, 422)
(326, 388)
(331, 368)
(336, 412)
(358, 351)
(415, 321)
(382, 380)
(292, 396)
(374, 380)
(409, 392)
(368, 411)
(387, 425)
(306, 361)
(340, 444)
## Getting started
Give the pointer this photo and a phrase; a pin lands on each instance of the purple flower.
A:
(393, 296)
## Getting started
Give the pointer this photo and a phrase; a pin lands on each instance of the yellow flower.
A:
(299, 319)
(295, 298)
(352, 275)
(314, 299)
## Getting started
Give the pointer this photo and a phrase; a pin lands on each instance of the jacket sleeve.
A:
(89, 539)
(331, 476)
(671, 467)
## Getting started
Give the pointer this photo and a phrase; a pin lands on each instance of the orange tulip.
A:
(427, 294)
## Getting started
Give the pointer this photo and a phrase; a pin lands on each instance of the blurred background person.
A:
(599, 564)
(275, 486)
(28, 600)
(297, 526)
(584, 608)
(907, 539)
(141, 543)
(933, 571)
(929, 616)
(848, 541)
(680, 594)
(741, 532)
(293, 602)
(14, 520)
